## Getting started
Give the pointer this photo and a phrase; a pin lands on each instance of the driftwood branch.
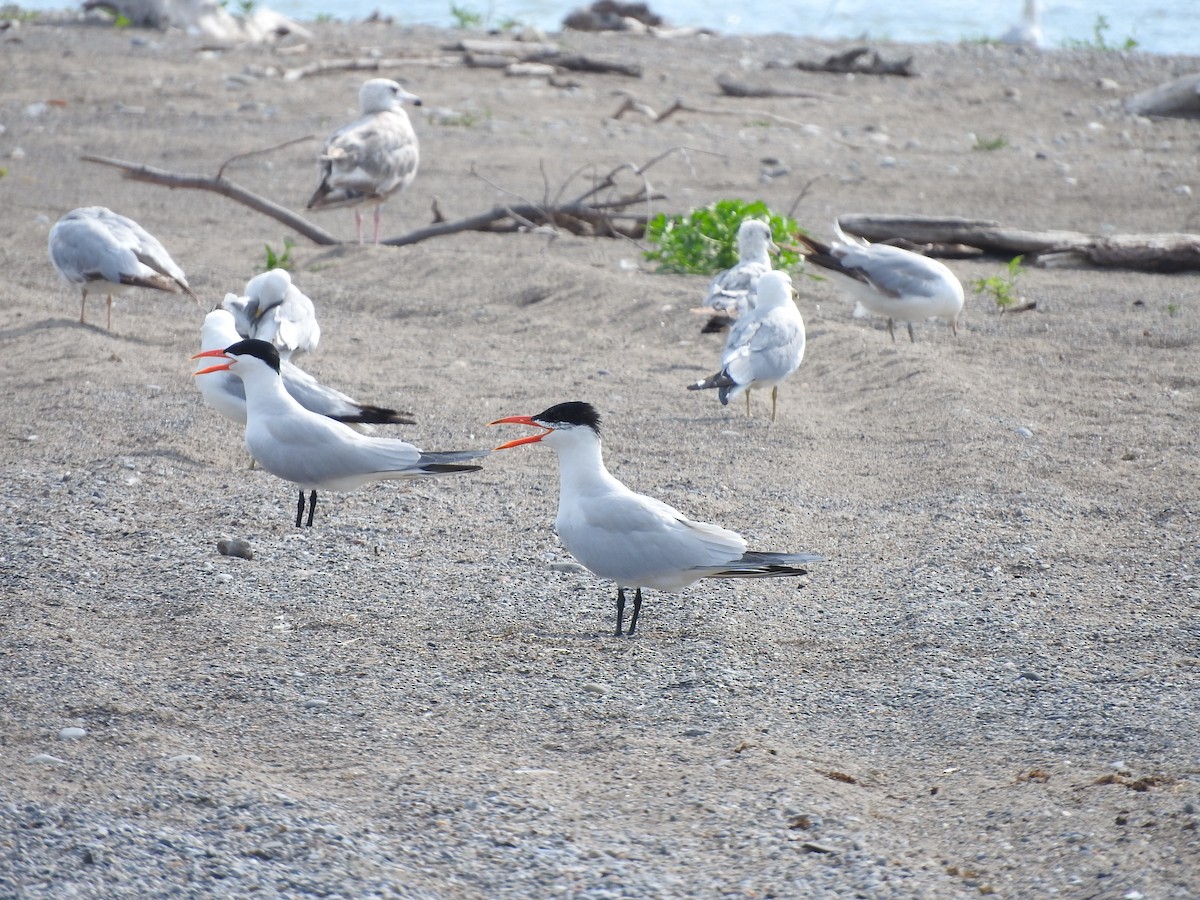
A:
(857, 60)
(581, 215)
(222, 186)
(1169, 252)
(630, 103)
(249, 153)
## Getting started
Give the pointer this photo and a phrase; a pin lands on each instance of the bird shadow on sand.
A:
(23, 331)
(174, 455)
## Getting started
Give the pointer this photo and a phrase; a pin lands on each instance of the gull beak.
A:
(219, 354)
(521, 420)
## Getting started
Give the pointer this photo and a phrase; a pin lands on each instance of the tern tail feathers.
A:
(767, 565)
(717, 324)
(376, 415)
(719, 380)
(448, 460)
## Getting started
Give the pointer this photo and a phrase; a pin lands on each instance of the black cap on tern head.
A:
(574, 412)
(253, 347)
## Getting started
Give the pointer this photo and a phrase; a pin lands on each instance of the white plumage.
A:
(630, 538)
(274, 310)
(888, 281)
(313, 451)
(764, 346)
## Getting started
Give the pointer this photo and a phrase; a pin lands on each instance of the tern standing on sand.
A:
(630, 538)
(372, 158)
(313, 451)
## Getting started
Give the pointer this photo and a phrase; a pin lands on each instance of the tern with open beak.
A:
(313, 451)
(629, 538)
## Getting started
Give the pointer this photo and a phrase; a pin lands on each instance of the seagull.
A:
(765, 344)
(630, 538)
(313, 451)
(225, 392)
(369, 160)
(887, 280)
(1028, 32)
(731, 292)
(275, 310)
(95, 247)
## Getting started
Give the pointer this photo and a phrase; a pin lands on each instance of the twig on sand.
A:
(630, 103)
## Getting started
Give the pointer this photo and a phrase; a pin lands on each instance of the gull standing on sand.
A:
(765, 344)
(95, 247)
(1027, 32)
(310, 450)
(276, 311)
(731, 292)
(225, 393)
(369, 160)
(630, 538)
(888, 281)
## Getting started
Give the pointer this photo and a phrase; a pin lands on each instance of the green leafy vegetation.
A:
(1098, 41)
(279, 260)
(465, 17)
(995, 143)
(1002, 288)
(704, 241)
(14, 12)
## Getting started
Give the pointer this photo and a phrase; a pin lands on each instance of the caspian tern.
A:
(765, 344)
(310, 450)
(731, 292)
(372, 158)
(630, 538)
(225, 392)
(95, 247)
(275, 310)
(888, 281)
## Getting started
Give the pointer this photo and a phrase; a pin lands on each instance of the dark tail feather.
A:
(719, 380)
(769, 565)
(448, 468)
(717, 324)
(377, 415)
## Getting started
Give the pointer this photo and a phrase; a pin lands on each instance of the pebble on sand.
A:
(72, 733)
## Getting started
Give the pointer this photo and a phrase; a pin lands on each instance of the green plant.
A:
(996, 143)
(704, 240)
(279, 260)
(13, 11)
(1002, 288)
(1098, 41)
(246, 6)
(465, 17)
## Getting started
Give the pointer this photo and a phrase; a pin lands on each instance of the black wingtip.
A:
(717, 324)
(377, 415)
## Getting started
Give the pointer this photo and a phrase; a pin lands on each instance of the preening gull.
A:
(369, 160)
(276, 311)
(888, 281)
(732, 291)
(765, 344)
(95, 247)
(225, 392)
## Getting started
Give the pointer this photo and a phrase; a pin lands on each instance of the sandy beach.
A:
(989, 687)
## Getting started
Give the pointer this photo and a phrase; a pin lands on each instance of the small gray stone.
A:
(71, 733)
(235, 547)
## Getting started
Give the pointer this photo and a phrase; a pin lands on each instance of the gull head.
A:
(380, 94)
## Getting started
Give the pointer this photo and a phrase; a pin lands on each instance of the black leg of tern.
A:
(637, 608)
(891, 332)
(312, 507)
(300, 510)
(620, 610)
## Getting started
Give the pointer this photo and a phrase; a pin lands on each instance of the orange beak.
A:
(220, 354)
(521, 420)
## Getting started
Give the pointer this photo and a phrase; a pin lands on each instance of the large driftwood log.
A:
(1170, 252)
(1179, 98)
